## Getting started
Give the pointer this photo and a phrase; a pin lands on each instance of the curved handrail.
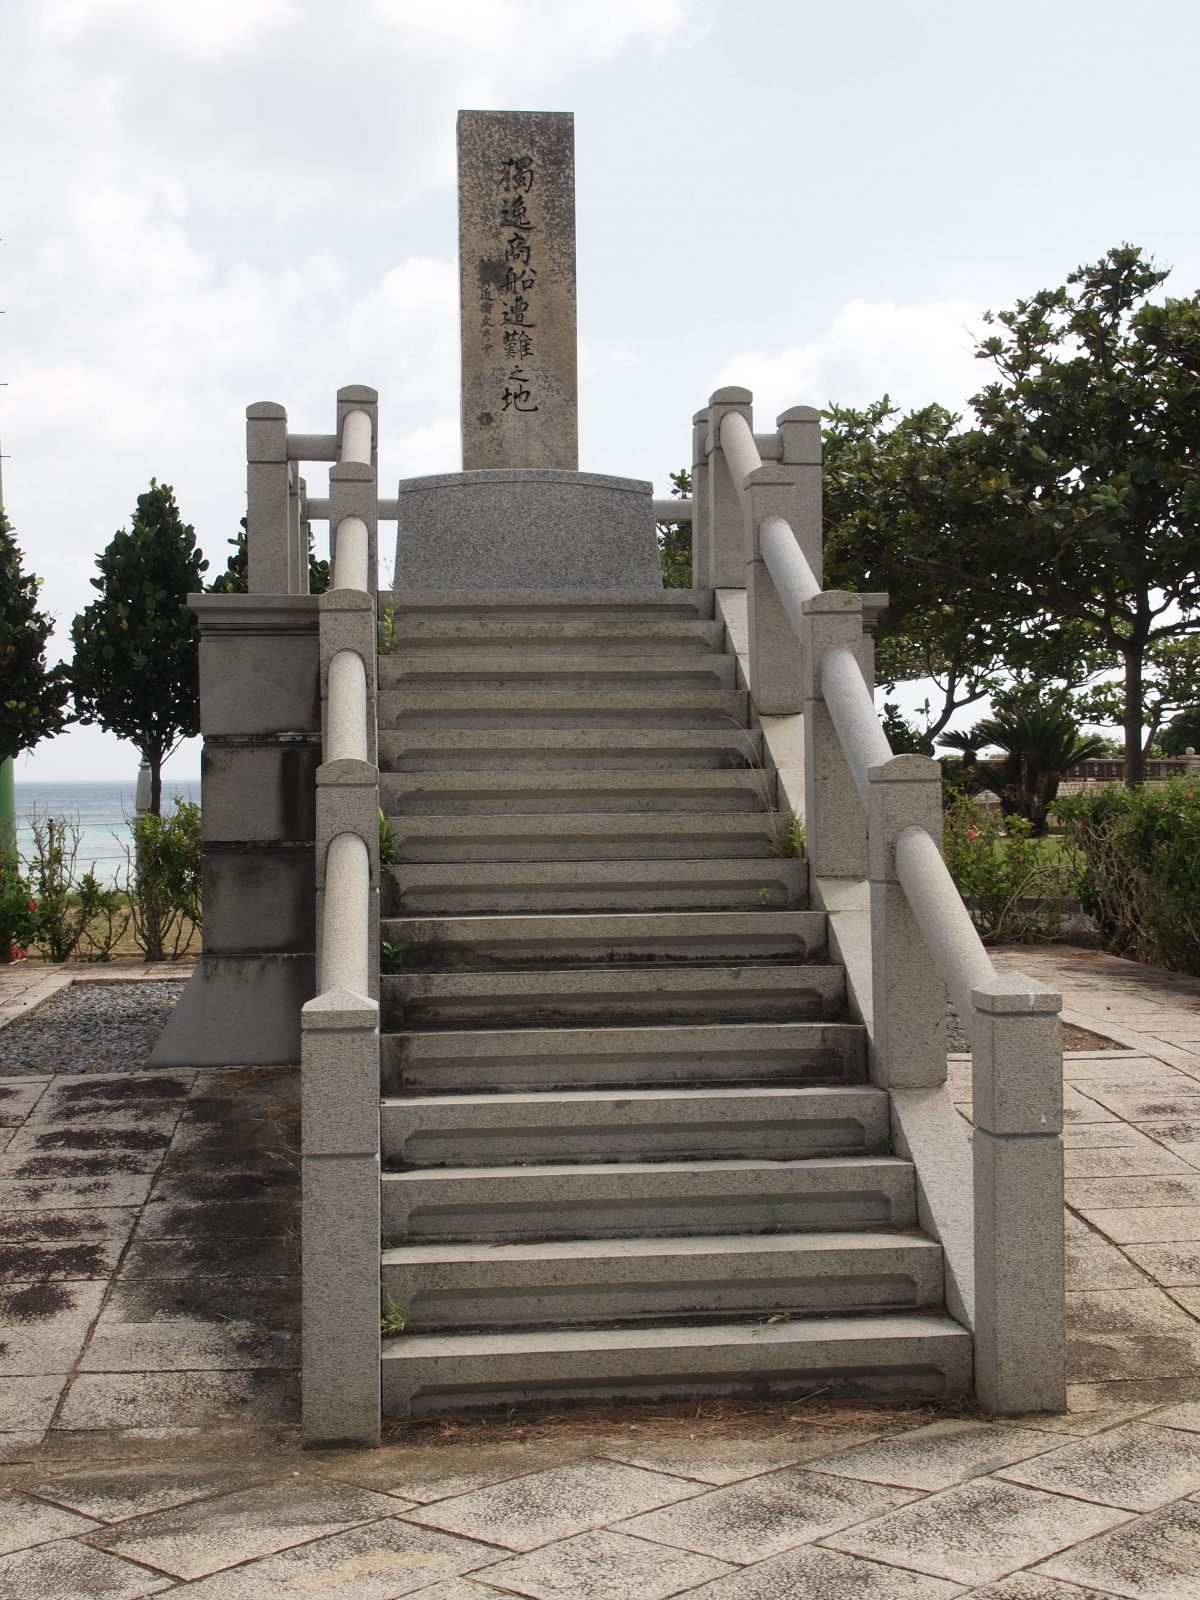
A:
(741, 452)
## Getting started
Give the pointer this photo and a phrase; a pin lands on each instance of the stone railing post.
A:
(908, 995)
(348, 623)
(701, 517)
(834, 820)
(800, 449)
(348, 802)
(269, 555)
(339, 1068)
(1020, 1279)
(357, 501)
(774, 649)
(728, 543)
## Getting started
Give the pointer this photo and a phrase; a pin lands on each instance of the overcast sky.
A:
(209, 204)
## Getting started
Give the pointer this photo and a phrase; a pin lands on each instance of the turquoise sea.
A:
(101, 812)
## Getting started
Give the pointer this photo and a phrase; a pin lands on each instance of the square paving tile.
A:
(1078, 1108)
(522, 1513)
(977, 1532)
(203, 1536)
(1090, 1194)
(1172, 1265)
(43, 1325)
(1031, 1586)
(17, 1100)
(22, 1260)
(1152, 1558)
(596, 1566)
(69, 1571)
(1145, 1224)
(377, 1561)
(1115, 1334)
(1121, 1162)
(112, 1492)
(191, 1259)
(27, 1404)
(1094, 1263)
(723, 1461)
(1103, 1136)
(813, 1573)
(426, 1473)
(25, 1522)
(179, 1399)
(765, 1516)
(176, 1325)
(1136, 1467)
(72, 1194)
(940, 1455)
(1186, 1416)
(17, 1446)
(1145, 1105)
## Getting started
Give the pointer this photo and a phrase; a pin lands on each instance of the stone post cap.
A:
(700, 417)
(906, 769)
(798, 414)
(831, 602)
(360, 392)
(1012, 994)
(770, 475)
(345, 599)
(731, 395)
(340, 1010)
(266, 411)
(347, 773)
(351, 472)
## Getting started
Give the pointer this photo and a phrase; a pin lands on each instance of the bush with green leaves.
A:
(1139, 868)
(18, 909)
(32, 696)
(675, 539)
(1012, 886)
(74, 910)
(164, 885)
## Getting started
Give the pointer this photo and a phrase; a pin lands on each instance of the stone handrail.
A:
(340, 1027)
(870, 814)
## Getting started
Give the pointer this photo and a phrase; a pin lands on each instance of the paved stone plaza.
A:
(150, 1399)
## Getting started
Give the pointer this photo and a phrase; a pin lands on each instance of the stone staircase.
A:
(629, 1145)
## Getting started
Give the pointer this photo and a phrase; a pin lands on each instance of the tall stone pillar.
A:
(516, 196)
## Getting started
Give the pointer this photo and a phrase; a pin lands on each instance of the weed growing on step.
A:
(387, 845)
(387, 627)
(385, 1236)
(391, 956)
(394, 1320)
(787, 838)
(764, 896)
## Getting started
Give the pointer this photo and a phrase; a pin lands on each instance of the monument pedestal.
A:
(526, 528)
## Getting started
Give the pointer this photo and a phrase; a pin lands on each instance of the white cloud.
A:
(917, 354)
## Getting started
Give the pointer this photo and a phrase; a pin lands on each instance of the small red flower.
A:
(972, 834)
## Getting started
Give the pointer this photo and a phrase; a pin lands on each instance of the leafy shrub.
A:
(1139, 868)
(73, 909)
(18, 910)
(1011, 886)
(164, 885)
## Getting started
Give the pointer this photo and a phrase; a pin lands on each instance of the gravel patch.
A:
(90, 1027)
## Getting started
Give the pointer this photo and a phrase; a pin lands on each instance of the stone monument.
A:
(521, 515)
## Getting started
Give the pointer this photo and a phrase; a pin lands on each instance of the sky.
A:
(206, 205)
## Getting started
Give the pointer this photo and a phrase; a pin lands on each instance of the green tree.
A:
(896, 489)
(235, 578)
(1170, 686)
(137, 659)
(1092, 430)
(675, 539)
(33, 696)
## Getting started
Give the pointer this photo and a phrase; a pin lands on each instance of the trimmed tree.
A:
(33, 697)
(136, 670)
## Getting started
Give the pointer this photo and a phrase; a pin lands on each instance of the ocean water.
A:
(101, 812)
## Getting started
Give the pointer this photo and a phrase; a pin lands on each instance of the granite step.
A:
(630, 1199)
(619, 707)
(611, 993)
(640, 1282)
(613, 884)
(917, 1356)
(602, 634)
(768, 1124)
(583, 836)
(710, 1055)
(433, 751)
(420, 670)
(623, 605)
(485, 791)
(478, 943)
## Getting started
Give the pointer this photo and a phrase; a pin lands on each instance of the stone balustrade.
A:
(873, 815)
